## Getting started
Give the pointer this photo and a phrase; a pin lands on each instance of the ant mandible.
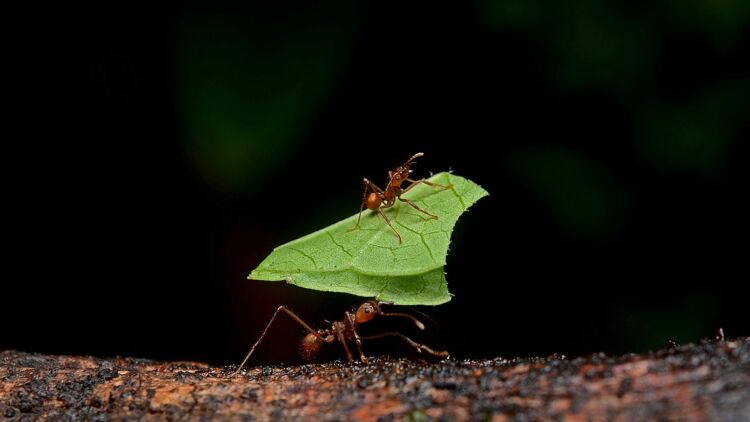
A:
(379, 199)
(345, 331)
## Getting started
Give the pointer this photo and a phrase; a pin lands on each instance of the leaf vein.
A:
(421, 237)
(453, 190)
(315, 264)
(330, 236)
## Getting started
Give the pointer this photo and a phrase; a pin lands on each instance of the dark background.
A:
(155, 154)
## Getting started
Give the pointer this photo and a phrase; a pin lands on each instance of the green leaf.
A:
(370, 261)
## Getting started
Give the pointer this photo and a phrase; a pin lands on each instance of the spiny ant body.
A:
(379, 199)
(345, 331)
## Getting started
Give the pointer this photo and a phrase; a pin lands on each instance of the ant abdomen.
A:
(310, 347)
(374, 201)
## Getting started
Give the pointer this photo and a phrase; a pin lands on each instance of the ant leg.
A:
(294, 317)
(366, 185)
(361, 205)
(373, 186)
(410, 342)
(389, 224)
(342, 340)
(426, 182)
(433, 216)
(415, 183)
(352, 326)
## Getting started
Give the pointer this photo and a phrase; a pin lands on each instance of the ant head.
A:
(372, 308)
(400, 174)
(367, 311)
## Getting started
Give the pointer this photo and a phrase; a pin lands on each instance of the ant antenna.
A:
(413, 157)
(424, 315)
(416, 322)
(419, 347)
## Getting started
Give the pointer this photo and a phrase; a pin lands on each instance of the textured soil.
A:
(707, 381)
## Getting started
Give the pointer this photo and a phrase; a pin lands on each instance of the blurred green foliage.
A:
(719, 20)
(618, 48)
(693, 135)
(586, 43)
(683, 320)
(250, 81)
(583, 196)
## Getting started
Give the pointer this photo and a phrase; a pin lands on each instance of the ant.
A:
(379, 199)
(345, 331)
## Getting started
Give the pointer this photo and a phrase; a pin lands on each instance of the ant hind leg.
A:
(367, 185)
(419, 347)
(389, 224)
(268, 326)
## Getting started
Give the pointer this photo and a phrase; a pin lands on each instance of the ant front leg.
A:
(426, 182)
(350, 319)
(339, 328)
(416, 207)
(367, 185)
(294, 317)
(419, 347)
(415, 183)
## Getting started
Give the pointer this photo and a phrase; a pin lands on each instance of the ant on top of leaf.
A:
(380, 199)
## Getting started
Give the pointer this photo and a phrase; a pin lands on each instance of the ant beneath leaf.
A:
(345, 331)
(380, 199)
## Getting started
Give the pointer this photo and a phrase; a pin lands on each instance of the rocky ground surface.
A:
(706, 381)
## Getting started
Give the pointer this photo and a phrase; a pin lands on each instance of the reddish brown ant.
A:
(346, 331)
(379, 199)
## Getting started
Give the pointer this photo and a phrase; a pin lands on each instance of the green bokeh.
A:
(642, 327)
(719, 20)
(618, 49)
(586, 200)
(587, 43)
(250, 81)
(694, 135)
